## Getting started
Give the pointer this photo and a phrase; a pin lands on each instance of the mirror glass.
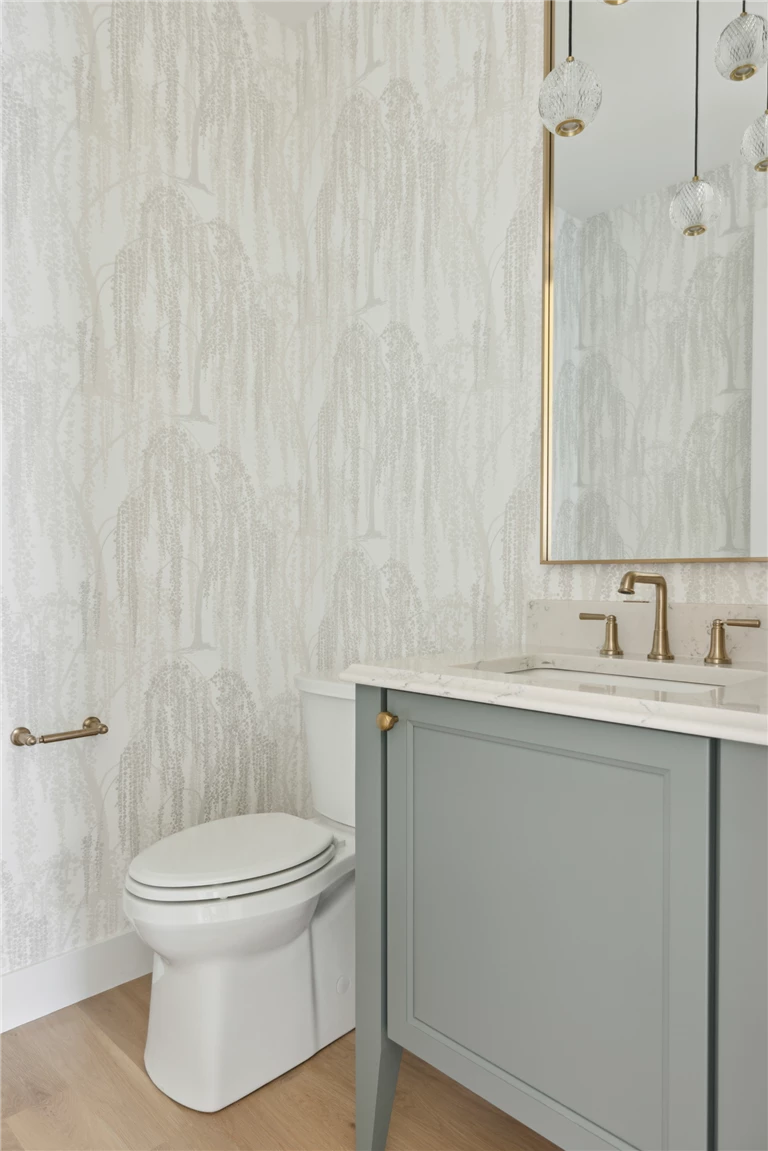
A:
(657, 404)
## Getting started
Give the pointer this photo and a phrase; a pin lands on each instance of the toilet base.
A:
(219, 1028)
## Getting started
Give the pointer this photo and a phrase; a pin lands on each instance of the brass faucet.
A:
(660, 646)
(717, 651)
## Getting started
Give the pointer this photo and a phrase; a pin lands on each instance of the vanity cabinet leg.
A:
(377, 1058)
(376, 1080)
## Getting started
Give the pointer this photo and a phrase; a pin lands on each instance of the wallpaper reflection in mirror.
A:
(659, 360)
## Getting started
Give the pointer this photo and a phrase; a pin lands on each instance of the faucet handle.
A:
(611, 642)
(718, 653)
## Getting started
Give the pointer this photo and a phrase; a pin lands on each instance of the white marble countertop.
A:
(727, 703)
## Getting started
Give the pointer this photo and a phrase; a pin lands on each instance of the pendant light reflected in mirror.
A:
(754, 144)
(570, 97)
(695, 205)
(742, 49)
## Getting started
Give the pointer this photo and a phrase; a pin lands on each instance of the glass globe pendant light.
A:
(743, 46)
(694, 207)
(696, 204)
(754, 145)
(570, 96)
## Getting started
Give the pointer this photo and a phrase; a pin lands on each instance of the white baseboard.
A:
(44, 987)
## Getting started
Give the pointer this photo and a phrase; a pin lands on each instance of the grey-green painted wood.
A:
(549, 917)
(742, 1110)
(377, 1057)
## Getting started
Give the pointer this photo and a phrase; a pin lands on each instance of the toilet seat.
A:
(229, 857)
(228, 890)
(170, 914)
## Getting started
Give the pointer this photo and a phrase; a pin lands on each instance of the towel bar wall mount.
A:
(22, 736)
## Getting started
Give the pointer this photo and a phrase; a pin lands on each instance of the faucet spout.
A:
(660, 646)
(627, 585)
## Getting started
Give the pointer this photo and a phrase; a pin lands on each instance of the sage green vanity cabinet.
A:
(742, 947)
(548, 910)
(537, 902)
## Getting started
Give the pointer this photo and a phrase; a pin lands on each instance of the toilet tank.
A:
(329, 721)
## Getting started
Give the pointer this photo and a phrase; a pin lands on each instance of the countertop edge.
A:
(736, 728)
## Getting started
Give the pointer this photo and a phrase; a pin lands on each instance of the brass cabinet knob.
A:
(385, 721)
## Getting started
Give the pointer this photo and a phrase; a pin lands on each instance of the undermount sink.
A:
(550, 676)
(630, 674)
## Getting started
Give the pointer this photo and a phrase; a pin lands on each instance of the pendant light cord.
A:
(570, 27)
(696, 103)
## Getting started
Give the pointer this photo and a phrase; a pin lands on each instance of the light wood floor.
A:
(75, 1081)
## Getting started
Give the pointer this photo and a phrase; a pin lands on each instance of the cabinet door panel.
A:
(742, 959)
(549, 909)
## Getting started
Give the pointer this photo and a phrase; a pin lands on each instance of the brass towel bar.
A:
(22, 736)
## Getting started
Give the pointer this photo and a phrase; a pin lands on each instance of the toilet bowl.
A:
(251, 920)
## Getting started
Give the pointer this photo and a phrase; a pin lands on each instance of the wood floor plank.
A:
(8, 1140)
(28, 1077)
(434, 1113)
(110, 1084)
(309, 1108)
(65, 1122)
(122, 1015)
(93, 1067)
(143, 1111)
(140, 989)
(76, 1080)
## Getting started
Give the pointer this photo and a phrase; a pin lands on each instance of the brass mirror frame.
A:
(547, 355)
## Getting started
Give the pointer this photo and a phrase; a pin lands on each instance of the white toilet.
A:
(252, 923)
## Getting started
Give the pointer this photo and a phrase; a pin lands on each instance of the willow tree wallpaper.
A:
(272, 394)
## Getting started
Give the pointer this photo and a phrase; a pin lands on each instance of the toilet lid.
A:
(230, 850)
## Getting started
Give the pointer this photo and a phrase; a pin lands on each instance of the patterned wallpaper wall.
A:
(271, 400)
(653, 368)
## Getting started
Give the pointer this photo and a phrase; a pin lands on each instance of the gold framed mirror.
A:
(654, 357)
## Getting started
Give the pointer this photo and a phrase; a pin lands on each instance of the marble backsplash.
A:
(556, 623)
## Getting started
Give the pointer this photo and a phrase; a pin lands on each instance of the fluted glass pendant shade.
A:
(754, 145)
(743, 47)
(570, 98)
(694, 207)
